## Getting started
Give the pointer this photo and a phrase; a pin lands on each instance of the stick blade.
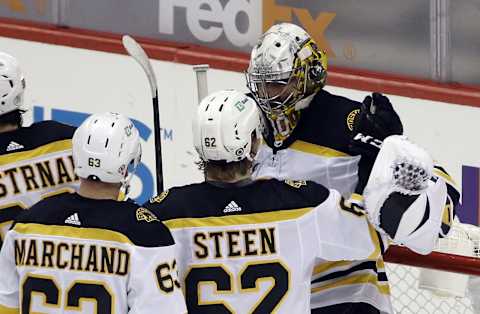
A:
(136, 52)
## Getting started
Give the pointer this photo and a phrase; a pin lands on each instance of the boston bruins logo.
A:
(296, 183)
(145, 214)
(351, 118)
(159, 198)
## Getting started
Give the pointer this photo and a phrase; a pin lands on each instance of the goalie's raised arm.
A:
(403, 197)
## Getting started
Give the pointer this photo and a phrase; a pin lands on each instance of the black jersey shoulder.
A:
(209, 200)
(327, 121)
(138, 224)
(36, 135)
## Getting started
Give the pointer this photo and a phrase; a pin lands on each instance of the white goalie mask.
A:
(12, 84)
(223, 126)
(106, 147)
(286, 69)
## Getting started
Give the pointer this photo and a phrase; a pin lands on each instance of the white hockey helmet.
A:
(286, 67)
(223, 126)
(12, 84)
(106, 147)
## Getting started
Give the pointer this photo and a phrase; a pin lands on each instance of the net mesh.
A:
(409, 298)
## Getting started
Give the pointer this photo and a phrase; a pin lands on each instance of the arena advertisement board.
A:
(67, 84)
(239, 23)
(33, 10)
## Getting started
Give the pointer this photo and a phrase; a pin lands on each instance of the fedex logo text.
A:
(207, 20)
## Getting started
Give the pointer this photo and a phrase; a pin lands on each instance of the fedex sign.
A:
(207, 20)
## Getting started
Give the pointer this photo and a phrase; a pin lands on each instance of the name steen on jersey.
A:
(35, 176)
(235, 243)
(71, 256)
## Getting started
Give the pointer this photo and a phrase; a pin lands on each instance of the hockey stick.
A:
(202, 85)
(137, 53)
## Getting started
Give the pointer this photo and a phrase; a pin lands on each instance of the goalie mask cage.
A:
(440, 282)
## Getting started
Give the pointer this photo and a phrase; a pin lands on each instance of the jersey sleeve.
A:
(153, 284)
(8, 214)
(342, 231)
(9, 279)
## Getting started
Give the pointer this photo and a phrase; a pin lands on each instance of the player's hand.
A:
(377, 120)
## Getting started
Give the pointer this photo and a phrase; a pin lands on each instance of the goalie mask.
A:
(12, 84)
(106, 147)
(286, 70)
(223, 126)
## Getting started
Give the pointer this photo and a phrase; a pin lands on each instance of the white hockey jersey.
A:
(69, 254)
(319, 150)
(251, 248)
(35, 162)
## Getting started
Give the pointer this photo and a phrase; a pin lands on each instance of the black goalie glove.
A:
(377, 120)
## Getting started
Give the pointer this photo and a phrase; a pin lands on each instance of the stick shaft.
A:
(202, 83)
(138, 54)
(158, 144)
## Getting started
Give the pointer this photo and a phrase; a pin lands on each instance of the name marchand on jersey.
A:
(74, 255)
(118, 247)
(67, 255)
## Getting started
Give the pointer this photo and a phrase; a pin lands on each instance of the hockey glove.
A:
(377, 120)
(403, 198)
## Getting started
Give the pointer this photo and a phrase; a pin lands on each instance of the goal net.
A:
(445, 281)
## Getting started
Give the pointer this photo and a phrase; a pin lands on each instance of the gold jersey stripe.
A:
(3, 234)
(321, 268)
(316, 149)
(49, 148)
(13, 204)
(235, 220)
(5, 223)
(356, 197)
(445, 176)
(446, 218)
(376, 242)
(71, 232)
(380, 263)
(352, 280)
(8, 310)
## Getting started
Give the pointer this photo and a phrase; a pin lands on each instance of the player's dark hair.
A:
(225, 170)
(12, 118)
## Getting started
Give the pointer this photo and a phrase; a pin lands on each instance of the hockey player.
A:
(311, 134)
(35, 161)
(89, 252)
(249, 246)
